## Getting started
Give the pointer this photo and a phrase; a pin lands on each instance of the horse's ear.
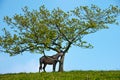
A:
(60, 51)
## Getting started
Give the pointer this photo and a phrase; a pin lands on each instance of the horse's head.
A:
(60, 53)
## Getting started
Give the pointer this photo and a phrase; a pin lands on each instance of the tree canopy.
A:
(40, 30)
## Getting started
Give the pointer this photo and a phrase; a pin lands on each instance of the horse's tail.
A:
(40, 67)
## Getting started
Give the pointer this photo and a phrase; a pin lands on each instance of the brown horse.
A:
(51, 60)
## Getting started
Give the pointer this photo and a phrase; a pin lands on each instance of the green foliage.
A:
(40, 30)
(72, 75)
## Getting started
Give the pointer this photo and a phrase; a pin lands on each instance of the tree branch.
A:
(62, 33)
(79, 34)
(54, 41)
(57, 45)
(54, 49)
(67, 48)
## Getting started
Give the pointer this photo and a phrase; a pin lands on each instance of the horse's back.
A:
(47, 60)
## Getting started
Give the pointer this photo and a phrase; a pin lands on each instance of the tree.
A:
(40, 30)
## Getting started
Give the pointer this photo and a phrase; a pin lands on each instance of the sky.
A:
(104, 56)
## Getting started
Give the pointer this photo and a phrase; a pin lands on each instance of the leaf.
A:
(43, 29)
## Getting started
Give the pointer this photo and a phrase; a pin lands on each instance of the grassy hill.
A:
(72, 75)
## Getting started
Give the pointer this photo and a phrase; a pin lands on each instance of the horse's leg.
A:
(44, 67)
(40, 67)
(54, 66)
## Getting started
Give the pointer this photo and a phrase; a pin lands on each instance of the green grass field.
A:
(71, 75)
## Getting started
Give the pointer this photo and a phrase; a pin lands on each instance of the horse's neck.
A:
(55, 56)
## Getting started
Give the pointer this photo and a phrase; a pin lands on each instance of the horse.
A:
(50, 60)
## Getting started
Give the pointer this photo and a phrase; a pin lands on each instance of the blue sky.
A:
(104, 56)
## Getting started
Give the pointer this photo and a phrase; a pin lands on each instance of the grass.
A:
(71, 75)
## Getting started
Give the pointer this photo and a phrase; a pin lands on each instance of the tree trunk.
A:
(61, 64)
